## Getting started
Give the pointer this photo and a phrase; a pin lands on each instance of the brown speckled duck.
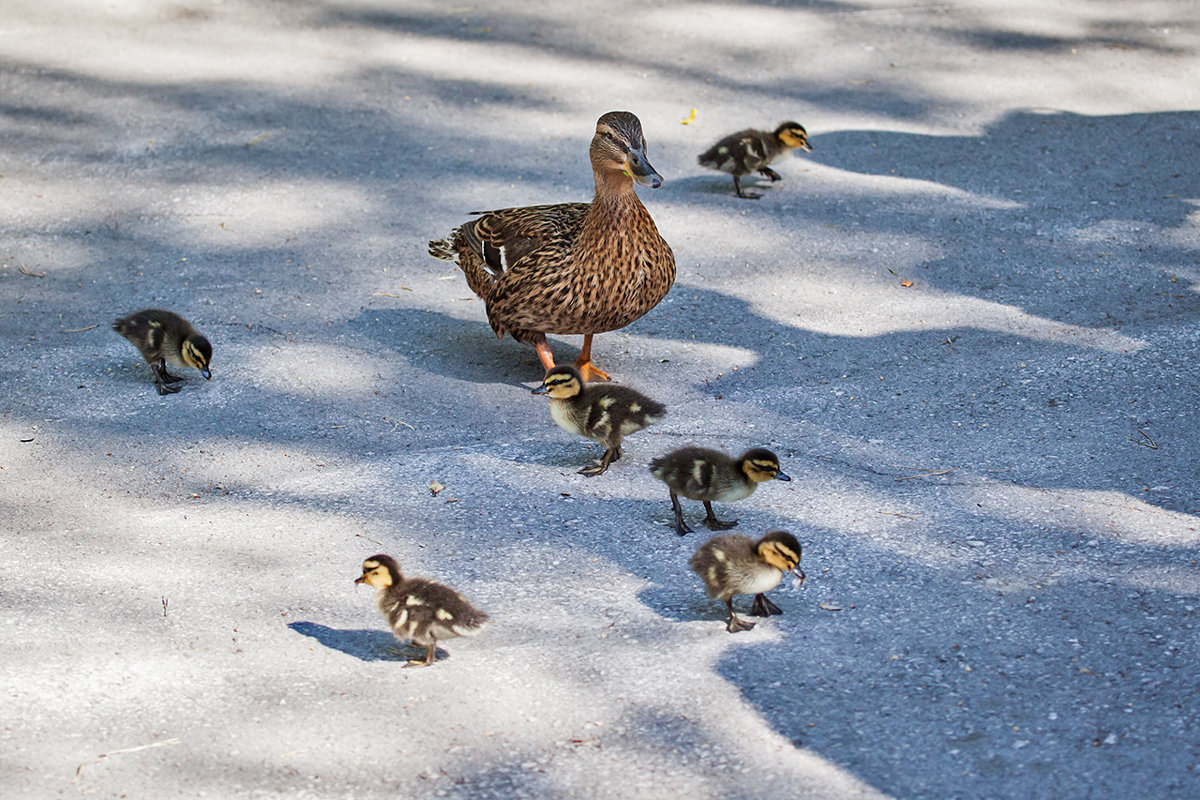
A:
(575, 268)
(419, 609)
(734, 564)
(164, 336)
(751, 150)
(606, 413)
(698, 473)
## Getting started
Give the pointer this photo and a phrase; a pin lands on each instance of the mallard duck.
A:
(419, 609)
(734, 564)
(753, 150)
(606, 413)
(572, 268)
(698, 473)
(164, 336)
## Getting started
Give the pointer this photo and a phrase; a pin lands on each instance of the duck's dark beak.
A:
(539, 390)
(638, 167)
(779, 476)
(799, 573)
(206, 372)
(360, 579)
(806, 147)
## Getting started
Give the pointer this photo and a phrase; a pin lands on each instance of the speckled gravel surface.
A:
(967, 322)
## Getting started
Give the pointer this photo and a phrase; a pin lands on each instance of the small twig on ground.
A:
(1146, 442)
(164, 743)
(898, 514)
(369, 539)
(80, 330)
(398, 422)
(925, 473)
(165, 602)
(388, 294)
(26, 271)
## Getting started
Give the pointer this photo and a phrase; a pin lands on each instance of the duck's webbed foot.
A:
(715, 524)
(164, 380)
(587, 369)
(681, 527)
(427, 661)
(737, 185)
(736, 623)
(610, 455)
(770, 173)
(763, 607)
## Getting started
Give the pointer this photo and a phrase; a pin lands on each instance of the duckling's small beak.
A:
(360, 579)
(638, 167)
(800, 576)
(539, 390)
(206, 372)
(779, 476)
(806, 147)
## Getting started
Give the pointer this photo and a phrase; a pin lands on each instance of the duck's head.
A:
(561, 383)
(619, 147)
(781, 550)
(197, 352)
(760, 464)
(793, 135)
(380, 571)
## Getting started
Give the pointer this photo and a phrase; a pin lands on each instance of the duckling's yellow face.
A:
(561, 383)
(780, 554)
(375, 574)
(795, 137)
(197, 352)
(762, 465)
(619, 146)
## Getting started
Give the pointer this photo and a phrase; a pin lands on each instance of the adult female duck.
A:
(573, 268)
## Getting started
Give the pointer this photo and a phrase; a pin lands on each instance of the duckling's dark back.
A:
(689, 470)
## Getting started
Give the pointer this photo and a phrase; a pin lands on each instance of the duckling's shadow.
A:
(721, 185)
(679, 605)
(365, 645)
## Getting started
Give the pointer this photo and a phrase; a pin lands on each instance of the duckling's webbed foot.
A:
(681, 527)
(736, 623)
(427, 661)
(763, 607)
(610, 455)
(737, 184)
(715, 524)
(164, 379)
(770, 173)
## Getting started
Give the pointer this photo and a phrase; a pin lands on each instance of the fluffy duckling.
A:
(734, 564)
(753, 150)
(164, 336)
(419, 609)
(698, 473)
(605, 413)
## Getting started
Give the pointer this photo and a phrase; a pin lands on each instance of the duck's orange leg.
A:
(543, 351)
(587, 369)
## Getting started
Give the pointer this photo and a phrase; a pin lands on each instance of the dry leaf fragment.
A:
(906, 283)
(436, 487)
(828, 606)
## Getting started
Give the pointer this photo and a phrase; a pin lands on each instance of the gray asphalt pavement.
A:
(966, 322)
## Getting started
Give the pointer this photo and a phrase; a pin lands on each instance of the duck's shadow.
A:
(365, 645)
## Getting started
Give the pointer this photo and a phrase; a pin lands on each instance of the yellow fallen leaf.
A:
(906, 284)
(691, 118)
(435, 487)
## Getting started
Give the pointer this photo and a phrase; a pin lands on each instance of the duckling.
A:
(735, 564)
(753, 150)
(419, 609)
(698, 473)
(164, 336)
(601, 412)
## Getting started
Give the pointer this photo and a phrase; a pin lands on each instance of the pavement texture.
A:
(967, 323)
